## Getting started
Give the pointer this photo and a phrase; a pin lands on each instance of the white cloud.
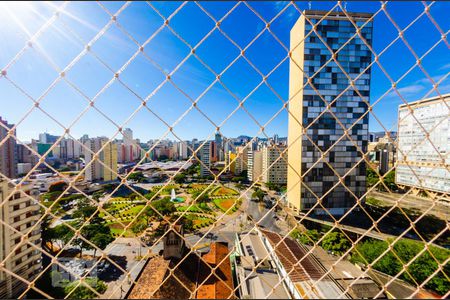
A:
(411, 89)
(445, 67)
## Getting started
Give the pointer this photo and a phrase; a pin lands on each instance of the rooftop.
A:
(217, 284)
(165, 165)
(426, 101)
(337, 14)
(150, 279)
(303, 268)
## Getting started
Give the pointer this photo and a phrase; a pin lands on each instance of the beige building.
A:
(254, 165)
(18, 214)
(108, 156)
(8, 157)
(109, 159)
(230, 162)
(274, 170)
(241, 159)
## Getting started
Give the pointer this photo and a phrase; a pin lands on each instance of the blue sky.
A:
(80, 22)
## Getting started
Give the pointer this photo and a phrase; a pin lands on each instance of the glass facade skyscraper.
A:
(328, 131)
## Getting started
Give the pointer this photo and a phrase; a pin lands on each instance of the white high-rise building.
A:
(183, 150)
(254, 165)
(204, 155)
(423, 162)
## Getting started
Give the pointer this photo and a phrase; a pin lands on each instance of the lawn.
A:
(117, 229)
(224, 191)
(198, 208)
(167, 189)
(134, 210)
(118, 210)
(199, 222)
(117, 206)
(225, 204)
(198, 186)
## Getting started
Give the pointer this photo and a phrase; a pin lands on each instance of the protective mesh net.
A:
(386, 243)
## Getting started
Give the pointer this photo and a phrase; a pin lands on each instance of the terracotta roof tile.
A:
(217, 285)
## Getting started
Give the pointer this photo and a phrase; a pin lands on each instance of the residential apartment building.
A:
(183, 150)
(254, 164)
(424, 145)
(241, 159)
(274, 164)
(104, 166)
(128, 149)
(69, 149)
(19, 214)
(213, 151)
(321, 93)
(109, 158)
(230, 162)
(204, 154)
(8, 150)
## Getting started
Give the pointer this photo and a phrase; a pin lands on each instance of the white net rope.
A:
(240, 206)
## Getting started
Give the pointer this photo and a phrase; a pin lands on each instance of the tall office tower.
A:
(422, 161)
(274, 164)
(254, 165)
(219, 147)
(96, 170)
(20, 211)
(8, 151)
(204, 154)
(318, 87)
(46, 138)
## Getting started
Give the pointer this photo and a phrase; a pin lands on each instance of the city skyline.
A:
(115, 48)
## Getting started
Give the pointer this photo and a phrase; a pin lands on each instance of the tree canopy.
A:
(336, 242)
(82, 291)
(403, 252)
(258, 194)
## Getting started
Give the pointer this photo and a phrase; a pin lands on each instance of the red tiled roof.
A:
(218, 285)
